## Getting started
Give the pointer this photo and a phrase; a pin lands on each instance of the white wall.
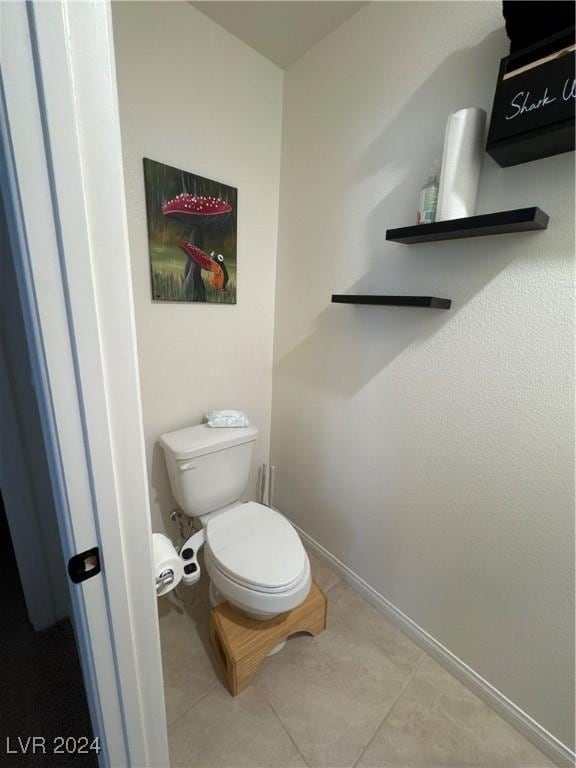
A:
(193, 96)
(431, 452)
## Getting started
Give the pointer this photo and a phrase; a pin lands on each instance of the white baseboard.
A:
(516, 717)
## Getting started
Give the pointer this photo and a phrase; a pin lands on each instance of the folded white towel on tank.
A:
(227, 419)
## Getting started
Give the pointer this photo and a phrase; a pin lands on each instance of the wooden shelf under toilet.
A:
(241, 644)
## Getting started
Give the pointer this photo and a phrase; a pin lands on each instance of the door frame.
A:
(62, 184)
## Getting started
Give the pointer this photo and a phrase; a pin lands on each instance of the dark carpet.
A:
(41, 687)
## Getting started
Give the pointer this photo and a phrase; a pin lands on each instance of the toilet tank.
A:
(208, 467)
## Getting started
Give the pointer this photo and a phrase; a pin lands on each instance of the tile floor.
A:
(360, 694)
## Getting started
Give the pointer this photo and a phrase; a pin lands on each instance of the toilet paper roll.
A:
(168, 569)
(461, 164)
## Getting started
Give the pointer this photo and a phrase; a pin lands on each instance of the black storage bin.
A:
(533, 110)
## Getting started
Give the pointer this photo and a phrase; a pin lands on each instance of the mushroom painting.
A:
(191, 236)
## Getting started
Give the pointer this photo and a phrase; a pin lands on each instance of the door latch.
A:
(84, 565)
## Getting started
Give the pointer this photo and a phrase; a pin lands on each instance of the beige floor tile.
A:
(332, 692)
(438, 723)
(187, 666)
(222, 731)
(321, 573)
(350, 614)
(299, 762)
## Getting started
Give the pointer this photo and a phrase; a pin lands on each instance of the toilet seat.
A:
(256, 560)
(256, 547)
(258, 588)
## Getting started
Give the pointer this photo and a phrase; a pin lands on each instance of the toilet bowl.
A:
(253, 555)
(256, 561)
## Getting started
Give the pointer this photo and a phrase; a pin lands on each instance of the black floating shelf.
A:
(501, 223)
(392, 301)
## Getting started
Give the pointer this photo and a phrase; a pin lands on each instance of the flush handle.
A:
(187, 465)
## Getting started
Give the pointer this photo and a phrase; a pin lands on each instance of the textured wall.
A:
(193, 96)
(430, 451)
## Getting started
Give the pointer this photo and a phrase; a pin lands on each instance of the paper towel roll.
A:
(166, 559)
(461, 164)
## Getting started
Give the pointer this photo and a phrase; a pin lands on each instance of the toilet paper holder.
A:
(164, 579)
(172, 567)
(167, 564)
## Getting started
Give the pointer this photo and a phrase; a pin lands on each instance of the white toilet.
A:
(253, 555)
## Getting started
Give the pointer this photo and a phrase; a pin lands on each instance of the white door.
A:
(62, 187)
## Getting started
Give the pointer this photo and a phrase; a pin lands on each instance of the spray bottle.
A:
(429, 198)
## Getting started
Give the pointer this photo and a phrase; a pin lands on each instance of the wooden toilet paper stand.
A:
(241, 644)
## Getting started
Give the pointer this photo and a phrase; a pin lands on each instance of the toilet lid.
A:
(254, 544)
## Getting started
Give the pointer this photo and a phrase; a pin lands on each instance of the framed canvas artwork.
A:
(191, 236)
